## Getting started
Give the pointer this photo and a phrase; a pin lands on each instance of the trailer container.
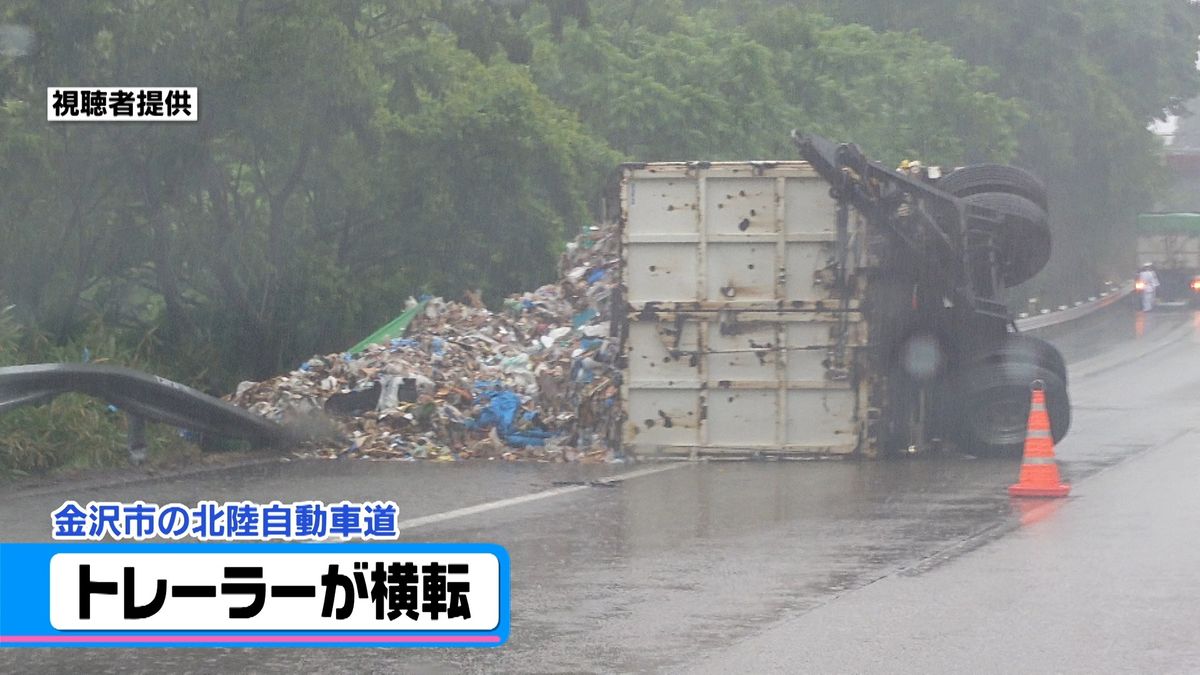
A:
(739, 340)
(829, 306)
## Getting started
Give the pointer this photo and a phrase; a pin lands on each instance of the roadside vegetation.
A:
(350, 154)
(76, 431)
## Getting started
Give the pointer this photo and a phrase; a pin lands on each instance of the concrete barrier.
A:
(1079, 311)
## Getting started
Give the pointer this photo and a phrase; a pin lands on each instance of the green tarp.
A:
(392, 329)
(1169, 222)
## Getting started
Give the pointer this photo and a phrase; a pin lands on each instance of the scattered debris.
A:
(536, 380)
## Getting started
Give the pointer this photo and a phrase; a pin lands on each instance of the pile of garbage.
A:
(535, 380)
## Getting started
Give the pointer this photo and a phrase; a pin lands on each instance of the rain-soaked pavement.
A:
(708, 565)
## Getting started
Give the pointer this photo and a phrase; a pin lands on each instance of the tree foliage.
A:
(708, 86)
(1092, 74)
(351, 153)
(348, 154)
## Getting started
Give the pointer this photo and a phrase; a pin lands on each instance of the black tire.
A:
(889, 308)
(994, 407)
(1017, 348)
(1024, 235)
(980, 178)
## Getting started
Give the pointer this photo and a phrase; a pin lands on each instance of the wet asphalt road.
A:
(687, 566)
(1104, 582)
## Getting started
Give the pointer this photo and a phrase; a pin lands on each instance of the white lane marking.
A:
(536, 496)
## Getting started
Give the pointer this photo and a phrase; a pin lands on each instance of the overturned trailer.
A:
(829, 306)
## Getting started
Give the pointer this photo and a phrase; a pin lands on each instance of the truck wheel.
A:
(994, 410)
(889, 307)
(1024, 349)
(978, 178)
(1025, 238)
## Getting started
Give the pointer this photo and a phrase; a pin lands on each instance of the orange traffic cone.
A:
(1039, 471)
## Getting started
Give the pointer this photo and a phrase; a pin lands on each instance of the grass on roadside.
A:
(78, 432)
(75, 431)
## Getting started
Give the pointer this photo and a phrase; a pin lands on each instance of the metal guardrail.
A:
(1075, 312)
(140, 395)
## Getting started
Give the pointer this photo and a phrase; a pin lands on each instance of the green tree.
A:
(719, 85)
(348, 154)
(1092, 74)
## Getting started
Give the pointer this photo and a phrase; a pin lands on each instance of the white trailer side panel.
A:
(738, 343)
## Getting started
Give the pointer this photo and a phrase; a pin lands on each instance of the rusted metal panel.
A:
(739, 341)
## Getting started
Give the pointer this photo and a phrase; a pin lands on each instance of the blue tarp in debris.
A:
(501, 413)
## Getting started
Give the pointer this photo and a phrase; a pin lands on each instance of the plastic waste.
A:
(533, 380)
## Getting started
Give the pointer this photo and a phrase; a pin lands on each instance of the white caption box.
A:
(278, 613)
(79, 104)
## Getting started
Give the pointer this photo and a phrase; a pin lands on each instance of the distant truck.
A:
(830, 306)
(1171, 242)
